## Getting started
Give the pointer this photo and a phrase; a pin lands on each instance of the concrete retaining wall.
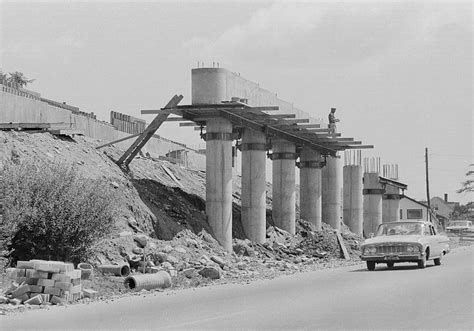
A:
(19, 107)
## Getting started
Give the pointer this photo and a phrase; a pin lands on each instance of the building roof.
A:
(392, 182)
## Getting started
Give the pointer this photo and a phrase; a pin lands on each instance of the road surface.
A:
(438, 297)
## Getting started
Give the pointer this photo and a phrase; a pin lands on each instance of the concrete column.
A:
(352, 198)
(373, 192)
(283, 188)
(219, 180)
(331, 192)
(254, 185)
(310, 186)
(391, 204)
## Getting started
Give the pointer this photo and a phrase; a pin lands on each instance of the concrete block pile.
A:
(37, 282)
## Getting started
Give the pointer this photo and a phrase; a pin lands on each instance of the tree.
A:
(3, 77)
(18, 79)
(468, 184)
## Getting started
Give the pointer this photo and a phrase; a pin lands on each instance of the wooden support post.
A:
(118, 140)
(133, 150)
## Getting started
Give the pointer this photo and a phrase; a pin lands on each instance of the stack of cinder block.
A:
(39, 282)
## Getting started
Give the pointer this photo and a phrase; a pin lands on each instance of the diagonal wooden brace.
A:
(146, 135)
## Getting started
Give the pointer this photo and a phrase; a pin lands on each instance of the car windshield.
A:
(400, 228)
(459, 223)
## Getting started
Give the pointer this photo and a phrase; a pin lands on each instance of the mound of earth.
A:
(170, 213)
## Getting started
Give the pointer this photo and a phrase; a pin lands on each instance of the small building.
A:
(413, 210)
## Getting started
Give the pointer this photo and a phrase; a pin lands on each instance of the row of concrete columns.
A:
(315, 205)
(320, 188)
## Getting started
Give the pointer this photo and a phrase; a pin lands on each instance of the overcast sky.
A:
(400, 73)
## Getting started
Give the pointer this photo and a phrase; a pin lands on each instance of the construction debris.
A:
(39, 282)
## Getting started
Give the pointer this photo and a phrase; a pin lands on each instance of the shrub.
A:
(51, 212)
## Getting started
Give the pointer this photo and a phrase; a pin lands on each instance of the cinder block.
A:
(40, 274)
(66, 267)
(45, 297)
(52, 290)
(13, 286)
(30, 273)
(31, 281)
(36, 288)
(76, 281)
(12, 273)
(46, 266)
(25, 265)
(24, 297)
(36, 300)
(55, 300)
(63, 286)
(66, 296)
(46, 282)
(76, 289)
(19, 291)
(76, 273)
(61, 278)
(21, 279)
(90, 293)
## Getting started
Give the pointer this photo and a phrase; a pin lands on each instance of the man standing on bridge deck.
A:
(332, 122)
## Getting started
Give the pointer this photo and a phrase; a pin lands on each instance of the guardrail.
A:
(463, 235)
(466, 236)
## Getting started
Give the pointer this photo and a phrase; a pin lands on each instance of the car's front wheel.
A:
(390, 265)
(422, 262)
(437, 261)
(371, 265)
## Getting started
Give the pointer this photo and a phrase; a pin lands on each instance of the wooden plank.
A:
(149, 111)
(175, 119)
(282, 116)
(285, 122)
(300, 126)
(342, 245)
(168, 171)
(360, 147)
(66, 132)
(240, 120)
(187, 124)
(146, 135)
(118, 140)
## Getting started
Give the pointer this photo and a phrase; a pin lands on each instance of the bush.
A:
(51, 212)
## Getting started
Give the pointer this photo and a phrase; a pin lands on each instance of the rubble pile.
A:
(39, 282)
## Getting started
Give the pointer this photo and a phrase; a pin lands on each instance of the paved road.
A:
(344, 298)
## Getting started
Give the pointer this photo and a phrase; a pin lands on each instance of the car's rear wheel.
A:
(371, 265)
(437, 261)
(422, 262)
(390, 265)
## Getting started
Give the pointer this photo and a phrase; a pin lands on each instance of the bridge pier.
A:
(331, 192)
(373, 192)
(391, 204)
(254, 185)
(283, 188)
(219, 180)
(353, 198)
(310, 186)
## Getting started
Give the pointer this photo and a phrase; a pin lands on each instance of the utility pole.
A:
(427, 185)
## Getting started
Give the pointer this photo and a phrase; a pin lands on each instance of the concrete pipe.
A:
(161, 279)
(115, 269)
(86, 270)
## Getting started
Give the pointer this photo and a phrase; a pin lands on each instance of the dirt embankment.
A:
(171, 214)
